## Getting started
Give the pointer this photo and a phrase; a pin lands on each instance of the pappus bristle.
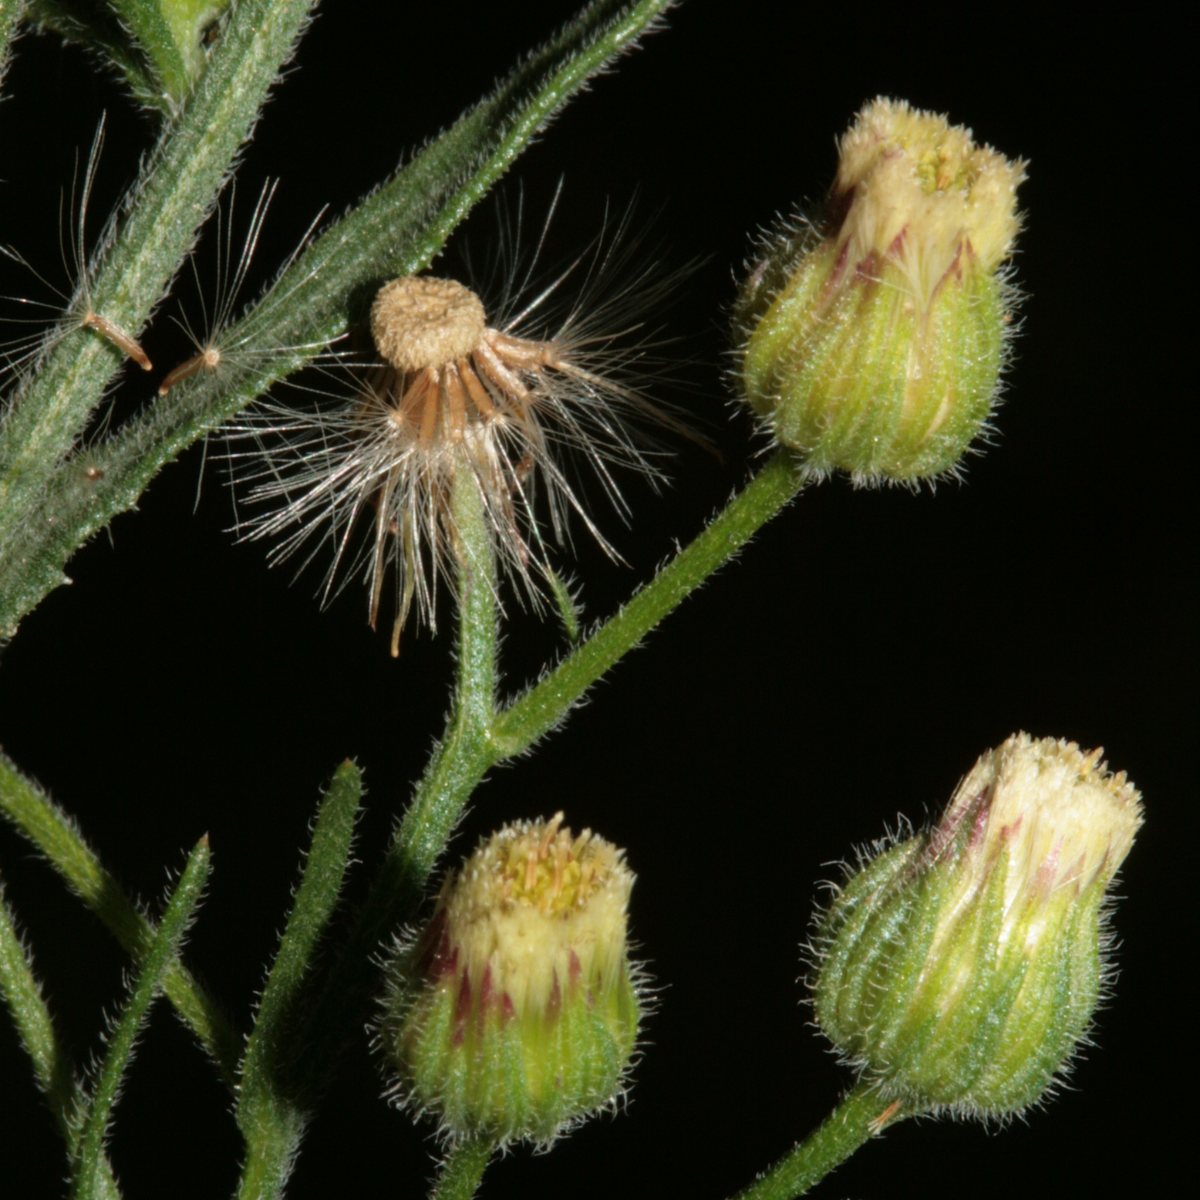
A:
(510, 401)
(71, 310)
(219, 340)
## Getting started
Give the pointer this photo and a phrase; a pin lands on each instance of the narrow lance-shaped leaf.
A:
(147, 22)
(271, 1114)
(568, 608)
(40, 820)
(396, 231)
(51, 1063)
(23, 997)
(189, 21)
(88, 1172)
(97, 31)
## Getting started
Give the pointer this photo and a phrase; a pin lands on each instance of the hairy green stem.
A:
(544, 705)
(87, 1177)
(269, 1114)
(860, 1116)
(460, 1173)
(39, 819)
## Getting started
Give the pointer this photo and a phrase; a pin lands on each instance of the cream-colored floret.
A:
(1063, 817)
(535, 909)
(923, 193)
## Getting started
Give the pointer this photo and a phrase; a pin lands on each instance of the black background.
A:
(851, 666)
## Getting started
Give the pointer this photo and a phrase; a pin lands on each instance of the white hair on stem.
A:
(517, 399)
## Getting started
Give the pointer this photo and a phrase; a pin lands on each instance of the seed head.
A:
(459, 399)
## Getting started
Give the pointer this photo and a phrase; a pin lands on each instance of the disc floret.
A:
(515, 1014)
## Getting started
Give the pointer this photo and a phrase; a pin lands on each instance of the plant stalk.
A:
(463, 1169)
(862, 1115)
(541, 708)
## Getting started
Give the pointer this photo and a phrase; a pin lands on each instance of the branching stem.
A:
(544, 706)
(477, 739)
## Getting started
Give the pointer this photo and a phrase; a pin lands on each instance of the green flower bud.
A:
(960, 968)
(514, 1015)
(872, 342)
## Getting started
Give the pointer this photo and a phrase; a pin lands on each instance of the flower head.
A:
(458, 398)
(872, 341)
(515, 1013)
(960, 968)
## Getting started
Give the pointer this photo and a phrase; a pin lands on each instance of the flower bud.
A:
(961, 968)
(872, 342)
(515, 1013)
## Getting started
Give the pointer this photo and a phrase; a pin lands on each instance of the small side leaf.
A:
(147, 23)
(38, 818)
(89, 1167)
(189, 21)
(51, 1064)
(105, 39)
(270, 1114)
(568, 609)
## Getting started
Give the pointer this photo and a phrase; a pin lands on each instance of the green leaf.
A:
(568, 610)
(102, 36)
(51, 1064)
(189, 21)
(270, 1114)
(88, 1173)
(149, 26)
(40, 820)
(396, 231)
(50, 412)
